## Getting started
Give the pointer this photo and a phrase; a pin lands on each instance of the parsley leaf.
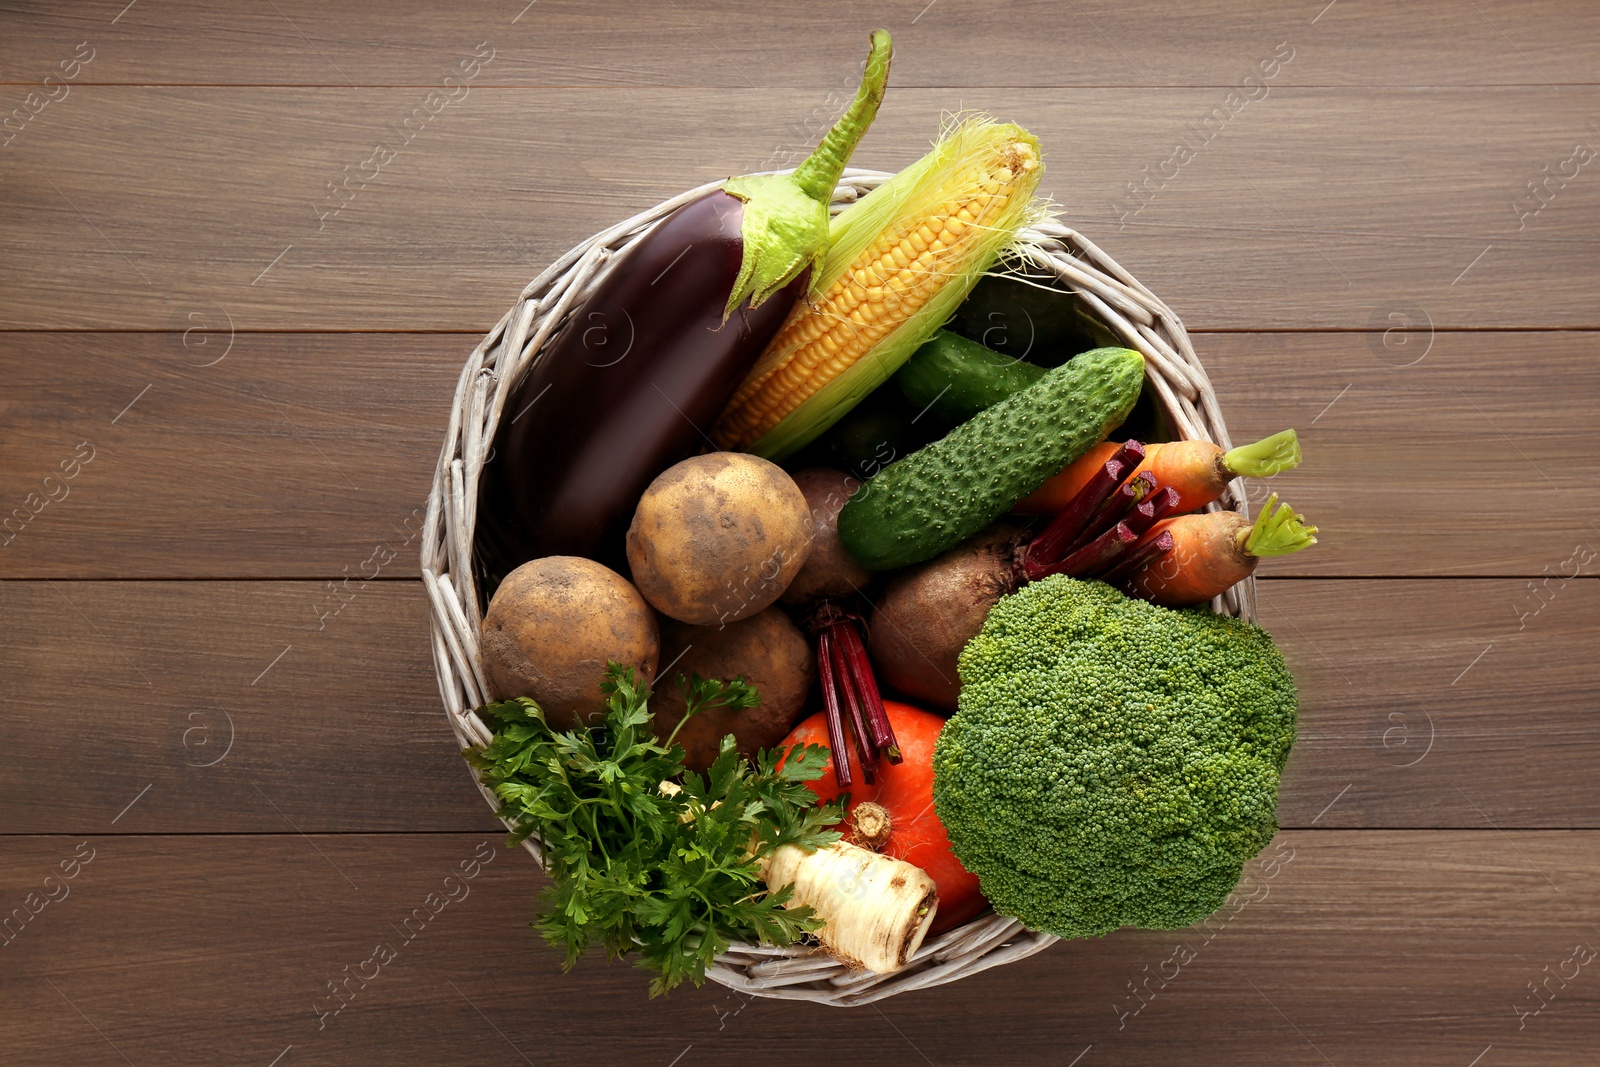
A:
(669, 871)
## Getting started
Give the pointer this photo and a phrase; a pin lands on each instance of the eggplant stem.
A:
(820, 172)
(785, 225)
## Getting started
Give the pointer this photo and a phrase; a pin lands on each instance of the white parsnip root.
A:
(875, 909)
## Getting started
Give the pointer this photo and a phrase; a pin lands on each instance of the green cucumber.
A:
(940, 495)
(952, 378)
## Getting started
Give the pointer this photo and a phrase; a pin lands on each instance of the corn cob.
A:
(898, 264)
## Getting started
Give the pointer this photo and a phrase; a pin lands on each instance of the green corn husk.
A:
(869, 308)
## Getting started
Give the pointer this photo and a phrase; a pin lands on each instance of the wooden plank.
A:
(214, 454)
(131, 207)
(234, 706)
(1426, 453)
(295, 455)
(719, 43)
(1440, 703)
(1404, 948)
(1417, 708)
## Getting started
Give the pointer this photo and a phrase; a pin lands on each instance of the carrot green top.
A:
(1268, 456)
(1278, 532)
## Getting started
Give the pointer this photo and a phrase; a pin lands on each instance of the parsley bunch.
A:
(672, 873)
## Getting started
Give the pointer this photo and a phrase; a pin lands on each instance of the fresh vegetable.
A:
(1026, 315)
(851, 703)
(644, 365)
(1198, 470)
(929, 612)
(1213, 551)
(766, 650)
(1108, 515)
(939, 496)
(1113, 762)
(874, 910)
(829, 571)
(672, 873)
(716, 538)
(551, 628)
(894, 815)
(873, 434)
(900, 261)
(953, 378)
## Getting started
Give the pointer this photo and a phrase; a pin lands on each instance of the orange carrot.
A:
(1215, 550)
(1056, 493)
(1198, 470)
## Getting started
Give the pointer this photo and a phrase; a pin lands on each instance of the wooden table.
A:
(231, 328)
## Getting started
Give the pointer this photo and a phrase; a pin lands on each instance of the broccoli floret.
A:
(1112, 763)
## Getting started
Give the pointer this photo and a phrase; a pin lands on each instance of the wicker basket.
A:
(1129, 309)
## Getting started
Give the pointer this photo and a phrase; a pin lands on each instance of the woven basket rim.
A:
(1109, 292)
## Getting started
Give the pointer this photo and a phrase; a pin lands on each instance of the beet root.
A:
(929, 613)
(829, 571)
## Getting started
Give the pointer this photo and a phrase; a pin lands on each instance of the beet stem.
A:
(1157, 506)
(854, 652)
(832, 711)
(1116, 507)
(1096, 555)
(1138, 558)
(839, 666)
(1130, 454)
(1050, 545)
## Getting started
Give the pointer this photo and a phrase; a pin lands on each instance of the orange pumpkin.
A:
(894, 815)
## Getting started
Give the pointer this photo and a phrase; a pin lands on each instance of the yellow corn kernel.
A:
(955, 225)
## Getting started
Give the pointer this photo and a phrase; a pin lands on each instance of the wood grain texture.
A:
(297, 455)
(1440, 703)
(1343, 947)
(259, 761)
(1426, 453)
(253, 707)
(162, 201)
(221, 455)
(716, 43)
(1417, 708)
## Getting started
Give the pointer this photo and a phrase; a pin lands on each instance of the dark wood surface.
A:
(206, 687)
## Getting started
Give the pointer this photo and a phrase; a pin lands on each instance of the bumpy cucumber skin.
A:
(940, 495)
(953, 378)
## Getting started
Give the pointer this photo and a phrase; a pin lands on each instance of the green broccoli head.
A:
(1112, 763)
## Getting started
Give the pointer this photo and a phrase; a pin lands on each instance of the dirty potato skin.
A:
(830, 570)
(929, 612)
(766, 650)
(718, 537)
(551, 628)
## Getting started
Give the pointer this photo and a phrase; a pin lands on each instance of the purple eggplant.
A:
(634, 381)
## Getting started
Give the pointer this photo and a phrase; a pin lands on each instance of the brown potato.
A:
(766, 650)
(551, 628)
(718, 537)
(830, 570)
